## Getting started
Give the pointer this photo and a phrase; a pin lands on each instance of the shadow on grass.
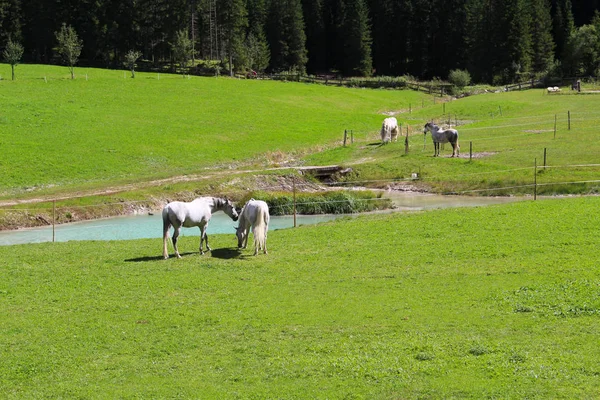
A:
(224, 254)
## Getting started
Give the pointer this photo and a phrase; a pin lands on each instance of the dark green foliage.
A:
(541, 34)
(12, 55)
(497, 41)
(357, 40)
(285, 32)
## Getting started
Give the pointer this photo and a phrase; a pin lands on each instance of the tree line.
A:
(493, 41)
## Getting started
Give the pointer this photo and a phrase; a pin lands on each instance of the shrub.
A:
(459, 78)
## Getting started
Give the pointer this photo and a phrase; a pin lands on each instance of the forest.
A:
(494, 41)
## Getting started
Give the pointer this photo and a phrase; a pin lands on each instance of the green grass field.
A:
(63, 134)
(505, 146)
(491, 302)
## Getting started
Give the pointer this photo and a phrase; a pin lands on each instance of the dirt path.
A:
(140, 185)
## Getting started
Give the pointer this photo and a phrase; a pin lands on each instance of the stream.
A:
(150, 226)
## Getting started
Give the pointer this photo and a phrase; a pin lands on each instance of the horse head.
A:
(229, 209)
(240, 233)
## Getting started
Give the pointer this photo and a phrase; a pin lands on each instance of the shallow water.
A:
(150, 226)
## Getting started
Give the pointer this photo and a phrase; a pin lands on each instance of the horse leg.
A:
(165, 240)
(175, 237)
(265, 238)
(246, 234)
(203, 237)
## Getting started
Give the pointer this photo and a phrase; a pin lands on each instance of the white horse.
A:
(255, 215)
(389, 130)
(442, 136)
(195, 213)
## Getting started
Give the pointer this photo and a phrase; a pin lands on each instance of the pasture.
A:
(66, 135)
(492, 302)
(508, 133)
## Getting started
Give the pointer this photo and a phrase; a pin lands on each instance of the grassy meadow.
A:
(508, 133)
(103, 128)
(490, 302)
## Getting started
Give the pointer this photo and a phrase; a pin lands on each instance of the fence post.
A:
(470, 151)
(345, 136)
(406, 141)
(535, 179)
(569, 117)
(53, 219)
(294, 188)
(544, 158)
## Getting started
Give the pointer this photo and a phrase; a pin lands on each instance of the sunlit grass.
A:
(493, 302)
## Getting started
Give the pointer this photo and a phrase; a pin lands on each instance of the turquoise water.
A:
(150, 226)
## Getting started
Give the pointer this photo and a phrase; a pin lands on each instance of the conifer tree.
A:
(234, 20)
(541, 34)
(357, 39)
(257, 47)
(563, 25)
(316, 38)
(287, 40)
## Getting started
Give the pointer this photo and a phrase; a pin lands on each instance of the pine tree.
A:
(234, 21)
(419, 38)
(563, 25)
(541, 34)
(258, 53)
(357, 39)
(382, 11)
(285, 33)
(316, 39)
(447, 46)
(10, 20)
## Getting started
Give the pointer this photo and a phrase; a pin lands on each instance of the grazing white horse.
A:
(389, 130)
(195, 213)
(255, 215)
(442, 136)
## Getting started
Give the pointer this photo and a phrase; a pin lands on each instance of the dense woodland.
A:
(495, 41)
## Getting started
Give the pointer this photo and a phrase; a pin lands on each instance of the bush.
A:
(459, 78)
(333, 202)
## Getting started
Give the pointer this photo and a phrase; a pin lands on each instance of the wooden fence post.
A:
(53, 219)
(405, 141)
(535, 179)
(569, 117)
(294, 187)
(470, 151)
(345, 136)
(544, 158)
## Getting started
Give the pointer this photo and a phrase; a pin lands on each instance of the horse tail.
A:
(260, 230)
